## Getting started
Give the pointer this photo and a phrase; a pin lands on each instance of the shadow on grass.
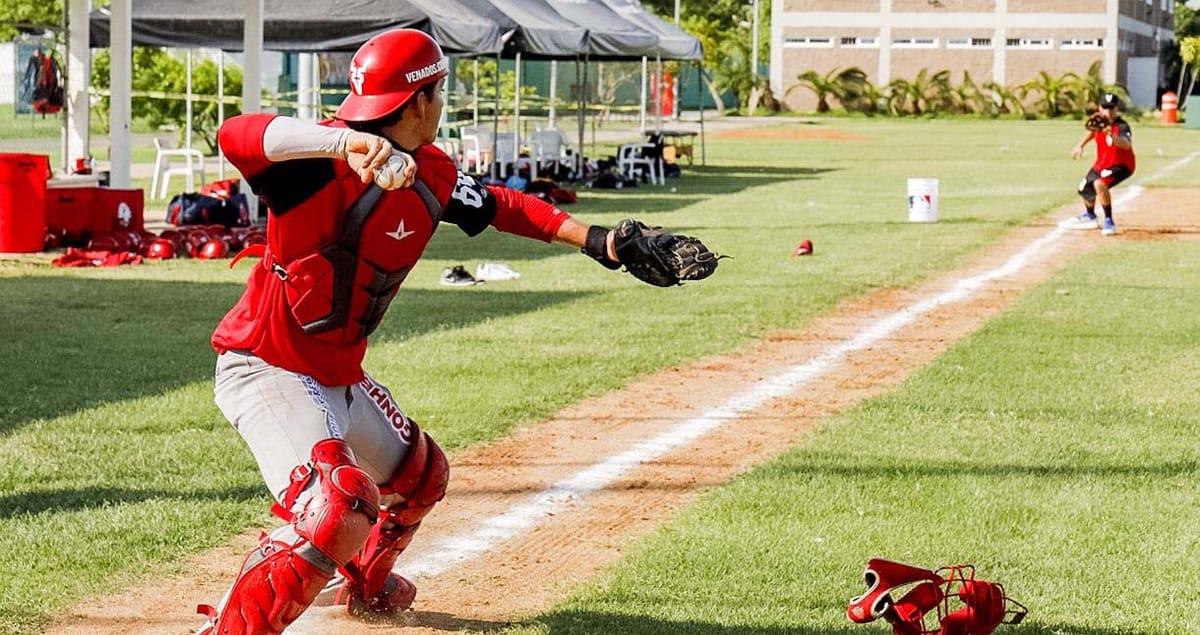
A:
(71, 500)
(589, 623)
(73, 343)
(697, 185)
(856, 467)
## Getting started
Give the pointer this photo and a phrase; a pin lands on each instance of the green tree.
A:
(156, 71)
(29, 16)
(1189, 52)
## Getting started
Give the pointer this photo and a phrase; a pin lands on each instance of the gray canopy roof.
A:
(673, 42)
(598, 29)
(302, 25)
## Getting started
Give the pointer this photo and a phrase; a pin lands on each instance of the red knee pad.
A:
(421, 480)
(339, 516)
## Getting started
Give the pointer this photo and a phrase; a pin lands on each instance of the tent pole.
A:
(188, 126)
(579, 118)
(495, 122)
(220, 111)
(642, 114)
(553, 91)
(121, 85)
(475, 104)
(700, 93)
(517, 113)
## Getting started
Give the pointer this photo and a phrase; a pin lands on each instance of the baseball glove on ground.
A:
(652, 255)
(1096, 122)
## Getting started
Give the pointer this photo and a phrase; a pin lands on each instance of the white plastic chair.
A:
(193, 158)
(506, 145)
(632, 162)
(449, 146)
(472, 153)
(549, 148)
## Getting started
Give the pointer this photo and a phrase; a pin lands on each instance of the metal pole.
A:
(754, 44)
(220, 111)
(700, 94)
(475, 105)
(188, 104)
(642, 113)
(495, 122)
(304, 86)
(553, 91)
(252, 46)
(658, 88)
(517, 113)
(121, 85)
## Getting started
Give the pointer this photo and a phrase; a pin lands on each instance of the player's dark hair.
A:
(376, 126)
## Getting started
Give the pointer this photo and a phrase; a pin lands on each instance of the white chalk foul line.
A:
(465, 546)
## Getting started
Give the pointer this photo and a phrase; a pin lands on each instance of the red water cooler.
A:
(23, 202)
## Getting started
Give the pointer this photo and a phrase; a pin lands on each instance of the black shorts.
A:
(1110, 176)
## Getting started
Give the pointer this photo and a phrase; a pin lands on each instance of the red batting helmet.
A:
(161, 248)
(212, 250)
(388, 70)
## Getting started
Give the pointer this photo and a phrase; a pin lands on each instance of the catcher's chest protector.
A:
(339, 291)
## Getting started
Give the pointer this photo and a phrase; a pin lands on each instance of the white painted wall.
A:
(8, 72)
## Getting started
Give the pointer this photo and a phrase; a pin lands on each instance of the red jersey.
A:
(1107, 152)
(307, 201)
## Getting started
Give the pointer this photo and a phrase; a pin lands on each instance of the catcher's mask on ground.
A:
(949, 601)
(388, 70)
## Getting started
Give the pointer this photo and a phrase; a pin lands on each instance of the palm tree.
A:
(968, 99)
(924, 93)
(1092, 86)
(1004, 99)
(843, 84)
(1057, 93)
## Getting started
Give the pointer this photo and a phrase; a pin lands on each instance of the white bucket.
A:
(922, 200)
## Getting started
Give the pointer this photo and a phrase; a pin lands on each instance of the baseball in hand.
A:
(392, 176)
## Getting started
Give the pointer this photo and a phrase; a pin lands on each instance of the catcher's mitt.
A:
(657, 257)
(1096, 122)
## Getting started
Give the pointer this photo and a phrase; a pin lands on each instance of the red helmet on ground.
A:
(212, 250)
(388, 70)
(162, 248)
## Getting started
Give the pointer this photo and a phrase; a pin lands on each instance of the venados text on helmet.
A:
(435, 68)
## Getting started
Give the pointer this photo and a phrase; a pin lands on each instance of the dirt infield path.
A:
(521, 576)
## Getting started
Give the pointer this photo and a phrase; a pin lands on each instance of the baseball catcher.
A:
(352, 203)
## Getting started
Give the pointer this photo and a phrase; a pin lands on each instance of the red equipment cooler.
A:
(23, 201)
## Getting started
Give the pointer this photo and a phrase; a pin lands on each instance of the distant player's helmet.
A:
(949, 601)
(212, 250)
(161, 248)
(1111, 100)
(388, 70)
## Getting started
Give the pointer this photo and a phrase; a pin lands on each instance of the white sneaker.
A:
(1083, 221)
(495, 271)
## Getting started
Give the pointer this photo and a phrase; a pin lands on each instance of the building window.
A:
(1082, 44)
(808, 42)
(1041, 43)
(915, 43)
(968, 42)
(861, 42)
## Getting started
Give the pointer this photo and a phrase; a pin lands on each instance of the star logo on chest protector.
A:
(400, 234)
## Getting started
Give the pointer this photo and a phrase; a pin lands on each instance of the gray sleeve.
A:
(286, 139)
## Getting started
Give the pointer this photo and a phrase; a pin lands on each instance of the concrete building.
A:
(1008, 41)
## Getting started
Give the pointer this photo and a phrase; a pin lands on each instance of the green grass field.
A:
(1065, 469)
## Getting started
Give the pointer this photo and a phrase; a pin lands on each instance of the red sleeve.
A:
(525, 215)
(241, 138)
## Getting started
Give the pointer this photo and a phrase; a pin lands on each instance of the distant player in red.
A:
(1114, 163)
(352, 204)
